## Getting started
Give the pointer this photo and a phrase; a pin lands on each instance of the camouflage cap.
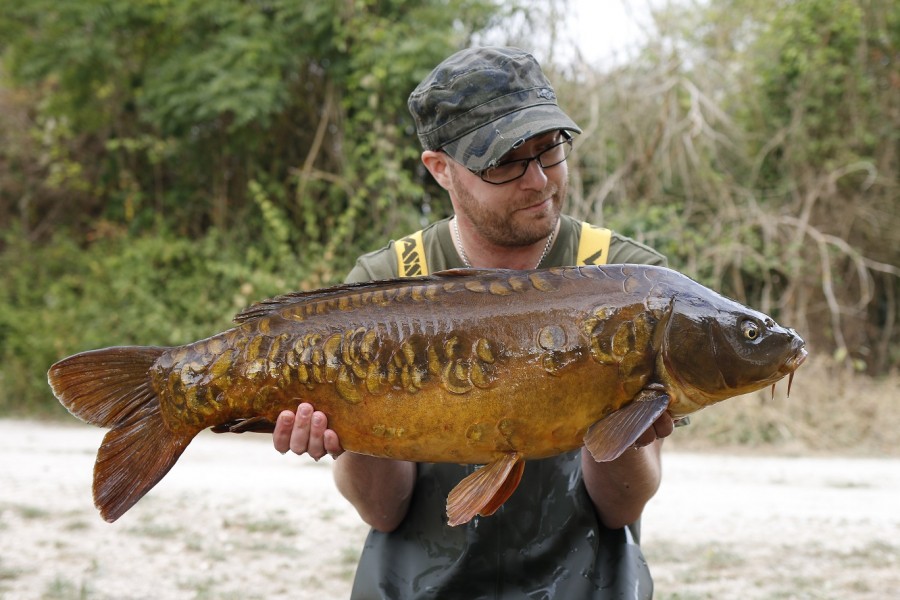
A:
(480, 103)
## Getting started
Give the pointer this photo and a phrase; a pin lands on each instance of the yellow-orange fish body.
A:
(421, 372)
(463, 366)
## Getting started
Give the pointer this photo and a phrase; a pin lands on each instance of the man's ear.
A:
(438, 164)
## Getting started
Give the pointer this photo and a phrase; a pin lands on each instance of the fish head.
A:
(715, 348)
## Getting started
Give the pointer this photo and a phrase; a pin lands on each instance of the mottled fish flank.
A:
(468, 366)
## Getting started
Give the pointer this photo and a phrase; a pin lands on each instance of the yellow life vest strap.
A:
(593, 249)
(411, 256)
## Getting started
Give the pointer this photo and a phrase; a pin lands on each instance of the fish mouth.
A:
(790, 367)
(799, 357)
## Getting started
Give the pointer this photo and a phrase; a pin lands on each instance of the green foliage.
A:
(279, 128)
(155, 289)
(814, 81)
(756, 144)
(823, 133)
(162, 163)
(173, 107)
(277, 226)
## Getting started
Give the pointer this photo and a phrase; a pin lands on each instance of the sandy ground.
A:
(234, 519)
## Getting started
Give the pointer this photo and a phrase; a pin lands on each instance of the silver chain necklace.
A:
(465, 258)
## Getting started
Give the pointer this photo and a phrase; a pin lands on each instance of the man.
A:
(496, 140)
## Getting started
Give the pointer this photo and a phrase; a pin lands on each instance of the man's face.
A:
(520, 212)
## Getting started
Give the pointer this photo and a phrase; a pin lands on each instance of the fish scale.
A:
(488, 367)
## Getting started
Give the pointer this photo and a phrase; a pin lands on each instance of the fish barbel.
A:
(472, 366)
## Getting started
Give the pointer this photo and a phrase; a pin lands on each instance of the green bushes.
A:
(186, 158)
(162, 164)
(153, 289)
(756, 144)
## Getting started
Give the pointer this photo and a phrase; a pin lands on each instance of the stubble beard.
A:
(507, 228)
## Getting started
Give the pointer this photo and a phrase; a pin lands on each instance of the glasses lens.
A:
(505, 172)
(555, 154)
(509, 171)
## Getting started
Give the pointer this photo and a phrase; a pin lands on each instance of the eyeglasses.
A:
(513, 169)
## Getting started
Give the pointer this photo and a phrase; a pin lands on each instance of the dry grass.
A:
(831, 410)
(787, 571)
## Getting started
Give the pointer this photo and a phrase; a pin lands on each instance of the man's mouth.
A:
(538, 205)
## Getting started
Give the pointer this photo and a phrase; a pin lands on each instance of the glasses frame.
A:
(527, 161)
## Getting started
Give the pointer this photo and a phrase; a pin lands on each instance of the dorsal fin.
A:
(468, 272)
(265, 308)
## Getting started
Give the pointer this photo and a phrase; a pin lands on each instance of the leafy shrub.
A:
(156, 289)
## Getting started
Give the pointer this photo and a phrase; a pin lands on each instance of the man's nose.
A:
(534, 177)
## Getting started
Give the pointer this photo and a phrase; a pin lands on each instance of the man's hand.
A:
(621, 488)
(379, 489)
(661, 428)
(306, 432)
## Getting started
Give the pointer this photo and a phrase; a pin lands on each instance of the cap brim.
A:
(485, 146)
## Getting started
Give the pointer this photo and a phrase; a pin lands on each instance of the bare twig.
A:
(316, 146)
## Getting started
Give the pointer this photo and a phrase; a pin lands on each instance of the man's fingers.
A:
(300, 431)
(664, 425)
(332, 444)
(281, 437)
(316, 445)
(305, 432)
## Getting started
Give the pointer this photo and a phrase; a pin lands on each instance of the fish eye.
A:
(750, 329)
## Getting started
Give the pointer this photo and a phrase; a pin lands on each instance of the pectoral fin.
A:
(609, 437)
(485, 490)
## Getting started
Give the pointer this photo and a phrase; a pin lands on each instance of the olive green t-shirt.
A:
(440, 252)
(545, 542)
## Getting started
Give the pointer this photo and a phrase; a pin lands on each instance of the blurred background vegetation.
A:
(165, 163)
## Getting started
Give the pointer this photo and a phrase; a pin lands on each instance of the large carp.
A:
(466, 366)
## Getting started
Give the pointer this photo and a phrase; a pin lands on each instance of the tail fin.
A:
(111, 388)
